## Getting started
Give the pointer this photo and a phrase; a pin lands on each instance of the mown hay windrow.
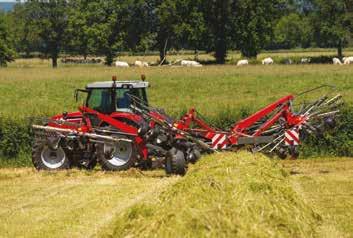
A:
(241, 195)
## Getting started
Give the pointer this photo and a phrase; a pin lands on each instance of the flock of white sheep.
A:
(345, 60)
(138, 63)
(269, 61)
(266, 61)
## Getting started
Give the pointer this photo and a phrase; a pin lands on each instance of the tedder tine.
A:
(276, 145)
(268, 144)
(334, 99)
(328, 114)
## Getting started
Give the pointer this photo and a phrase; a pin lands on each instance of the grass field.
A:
(72, 203)
(212, 89)
(224, 195)
(326, 185)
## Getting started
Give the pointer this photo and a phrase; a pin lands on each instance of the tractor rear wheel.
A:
(46, 158)
(116, 157)
(175, 162)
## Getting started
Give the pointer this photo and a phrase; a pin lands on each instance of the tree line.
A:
(107, 27)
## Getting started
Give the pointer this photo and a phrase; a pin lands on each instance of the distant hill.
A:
(7, 6)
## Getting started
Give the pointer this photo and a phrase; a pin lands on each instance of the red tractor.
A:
(106, 130)
(119, 129)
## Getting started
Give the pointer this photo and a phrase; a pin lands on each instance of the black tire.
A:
(86, 164)
(194, 156)
(92, 164)
(116, 157)
(175, 162)
(282, 153)
(294, 152)
(146, 164)
(45, 158)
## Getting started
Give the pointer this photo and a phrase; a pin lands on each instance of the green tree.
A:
(333, 23)
(218, 16)
(25, 32)
(254, 23)
(177, 23)
(140, 32)
(50, 18)
(109, 20)
(164, 24)
(6, 51)
(79, 36)
(293, 31)
(190, 29)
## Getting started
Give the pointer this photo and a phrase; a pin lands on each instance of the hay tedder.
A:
(117, 128)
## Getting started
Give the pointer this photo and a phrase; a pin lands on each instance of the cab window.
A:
(124, 100)
(100, 100)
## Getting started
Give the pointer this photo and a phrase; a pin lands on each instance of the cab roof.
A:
(119, 84)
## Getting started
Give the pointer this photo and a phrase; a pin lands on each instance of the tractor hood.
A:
(73, 118)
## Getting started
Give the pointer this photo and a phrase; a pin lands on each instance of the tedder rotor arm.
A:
(156, 118)
(282, 104)
(191, 117)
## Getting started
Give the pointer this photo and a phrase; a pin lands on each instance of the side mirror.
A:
(76, 95)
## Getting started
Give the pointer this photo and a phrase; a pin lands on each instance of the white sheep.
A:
(305, 60)
(121, 64)
(336, 61)
(141, 63)
(267, 61)
(190, 63)
(243, 62)
(348, 60)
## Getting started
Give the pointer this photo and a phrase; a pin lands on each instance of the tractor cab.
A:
(115, 96)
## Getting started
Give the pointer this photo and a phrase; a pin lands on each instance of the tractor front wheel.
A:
(46, 158)
(116, 157)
